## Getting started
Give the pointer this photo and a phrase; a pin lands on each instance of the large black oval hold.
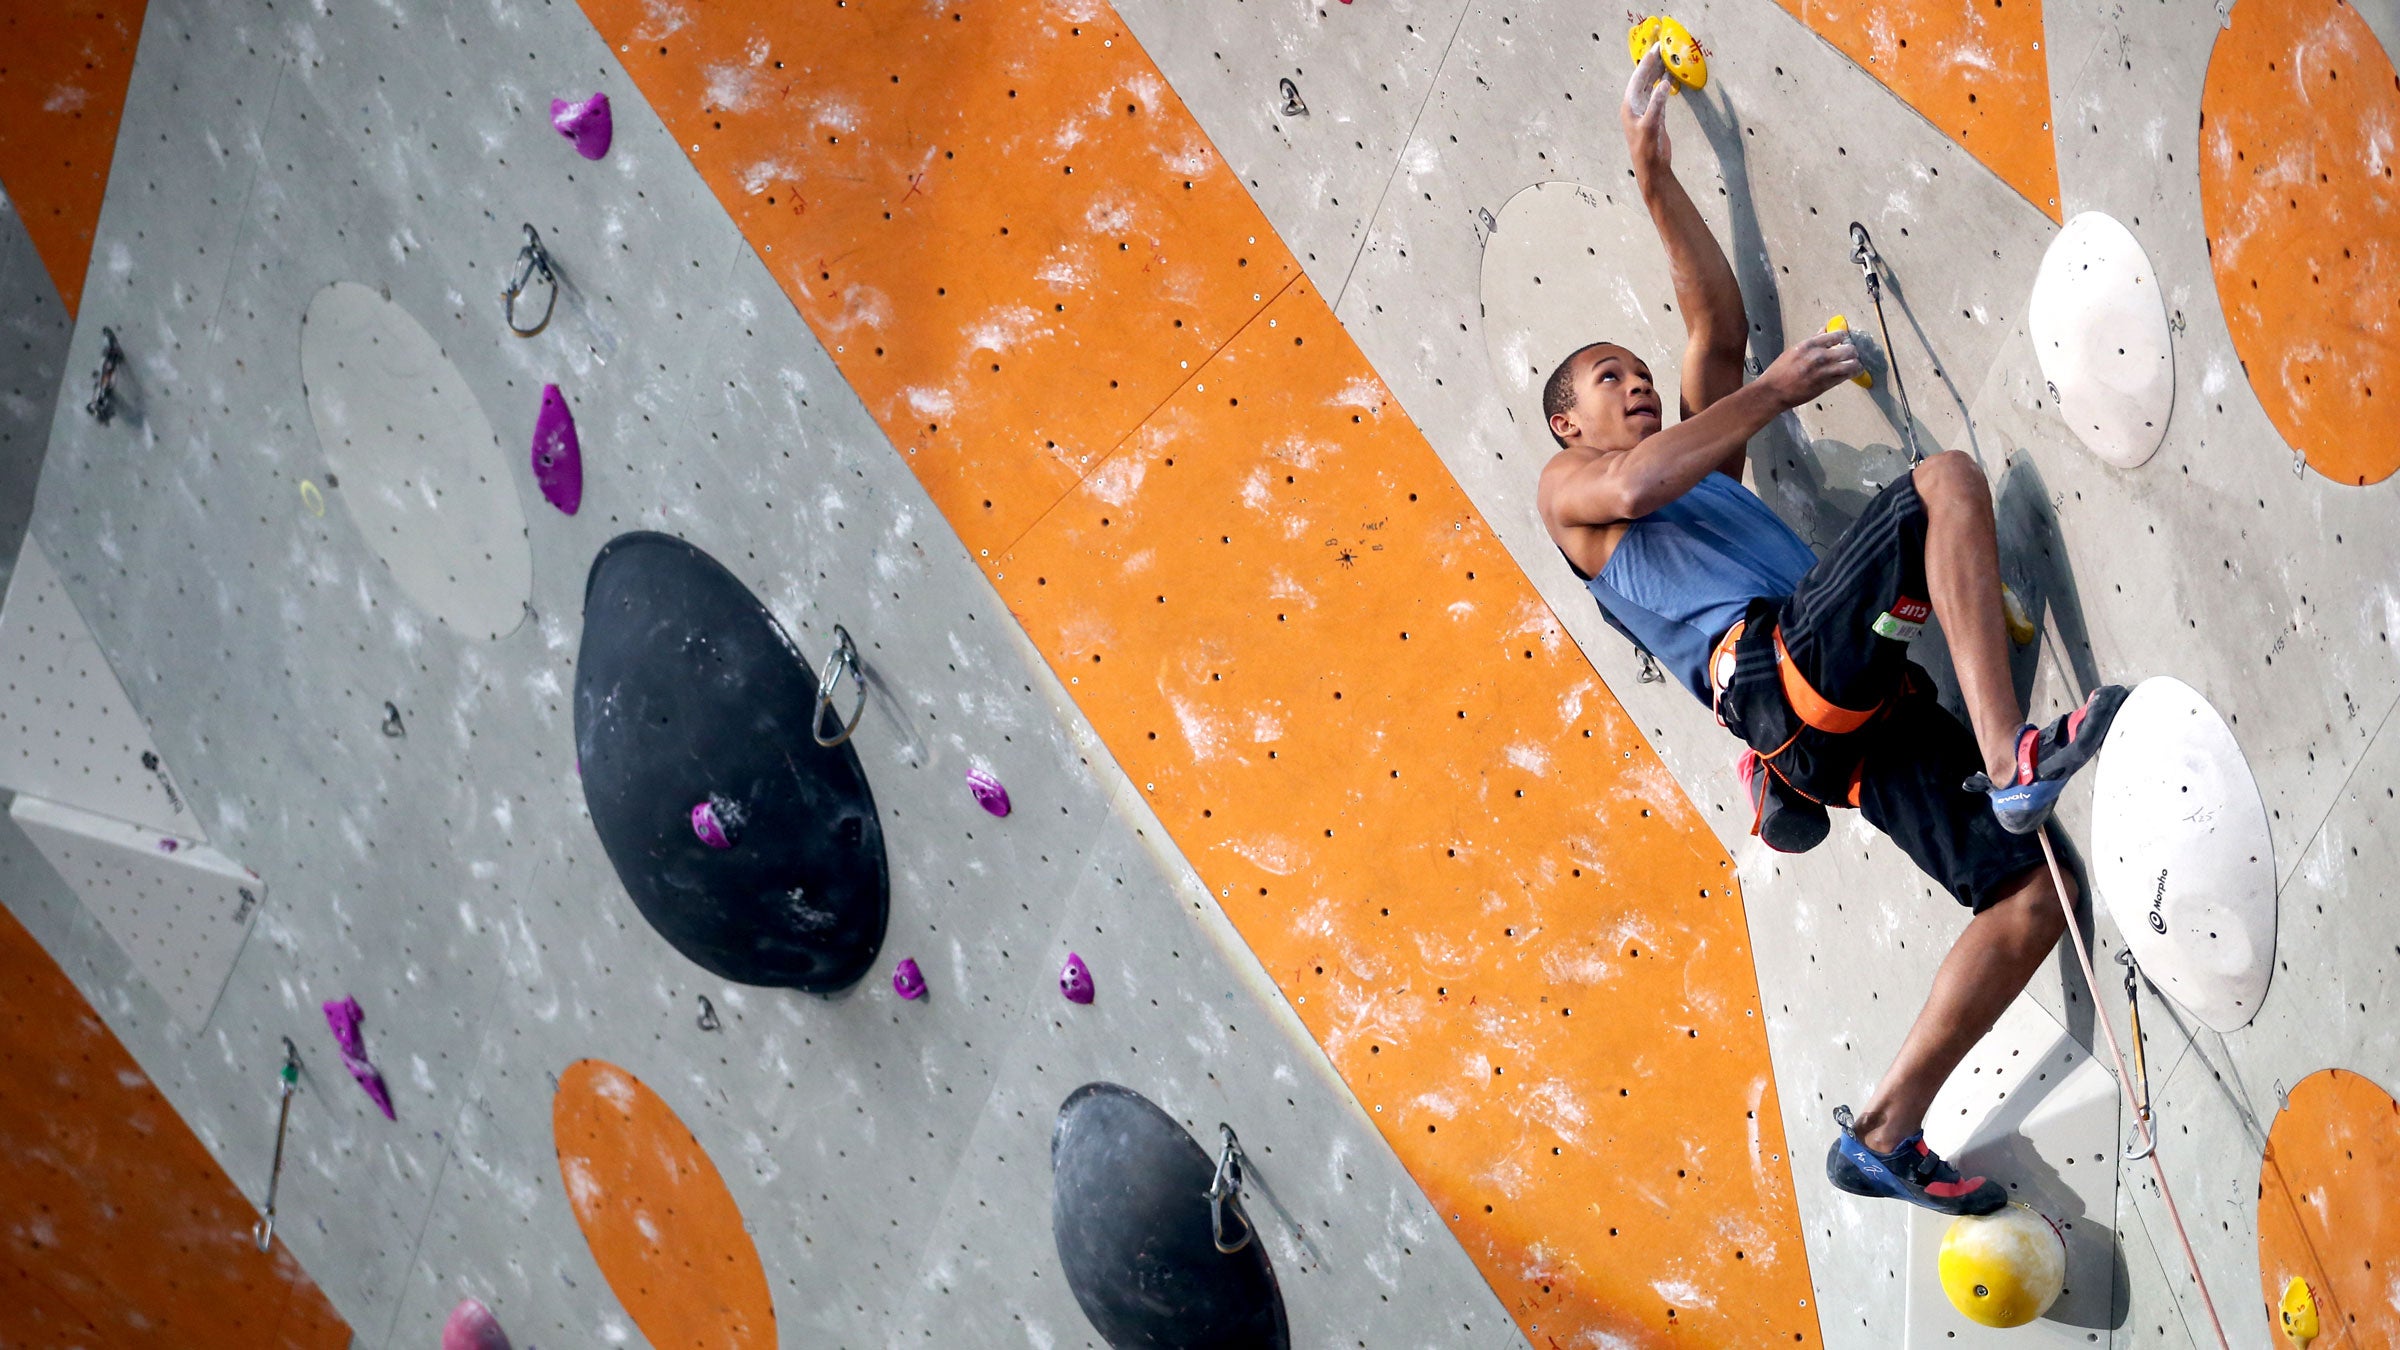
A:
(1129, 1212)
(687, 691)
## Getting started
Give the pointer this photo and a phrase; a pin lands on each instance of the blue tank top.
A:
(1683, 574)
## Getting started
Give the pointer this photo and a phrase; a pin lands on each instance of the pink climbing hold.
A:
(344, 1015)
(471, 1326)
(557, 454)
(588, 124)
(1075, 980)
(718, 821)
(907, 980)
(988, 791)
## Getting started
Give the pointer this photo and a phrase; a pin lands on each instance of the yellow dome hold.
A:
(1838, 324)
(2003, 1269)
(2299, 1313)
(1686, 61)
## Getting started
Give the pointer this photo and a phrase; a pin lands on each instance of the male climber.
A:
(1806, 659)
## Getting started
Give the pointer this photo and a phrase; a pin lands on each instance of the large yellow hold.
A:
(2003, 1269)
(1685, 59)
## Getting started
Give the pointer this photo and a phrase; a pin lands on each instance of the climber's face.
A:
(1612, 403)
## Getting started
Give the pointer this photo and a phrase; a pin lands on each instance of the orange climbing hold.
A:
(2329, 1208)
(2302, 209)
(62, 89)
(661, 1225)
(1976, 71)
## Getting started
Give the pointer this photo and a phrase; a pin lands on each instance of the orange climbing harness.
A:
(1812, 708)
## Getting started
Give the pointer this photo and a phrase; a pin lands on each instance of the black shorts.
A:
(1847, 626)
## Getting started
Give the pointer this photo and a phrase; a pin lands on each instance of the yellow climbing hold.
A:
(1686, 61)
(2020, 624)
(311, 498)
(2003, 1269)
(1838, 324)
(2299, 1313)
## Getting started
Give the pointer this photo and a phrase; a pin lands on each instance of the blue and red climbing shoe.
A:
(1911, 1172)
(2047, 758)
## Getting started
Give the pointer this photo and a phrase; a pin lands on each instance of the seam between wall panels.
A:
(1101, 461)
(1466, 820)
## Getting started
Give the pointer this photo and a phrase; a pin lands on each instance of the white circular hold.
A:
(2182, 855)
(421, 473)
(2099, 329)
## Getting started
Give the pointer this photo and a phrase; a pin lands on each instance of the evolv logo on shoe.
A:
(1904, 620)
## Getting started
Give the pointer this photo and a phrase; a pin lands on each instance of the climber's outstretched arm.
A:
(1717, 331)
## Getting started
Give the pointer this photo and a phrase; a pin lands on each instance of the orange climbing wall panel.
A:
(63, 73)
(1973, 68)
(661, 1225)
(2329, 1208)
(120, 1231)
(2298, 194)
(1485, 896)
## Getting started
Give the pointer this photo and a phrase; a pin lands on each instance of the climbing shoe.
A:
(1911, 1172)
(2047, 758)
(1786, 821)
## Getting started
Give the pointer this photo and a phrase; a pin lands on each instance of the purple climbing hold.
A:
(988, 791)
(588, 124)
(344, 1015)
(1075, 980)
(472, 1327)
(557, 454)
(907, 980)
(718, 821)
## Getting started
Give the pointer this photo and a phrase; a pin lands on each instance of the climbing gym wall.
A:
(1128, 418)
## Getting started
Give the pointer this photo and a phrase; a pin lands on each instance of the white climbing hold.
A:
(2099, 328)
(2182, 855)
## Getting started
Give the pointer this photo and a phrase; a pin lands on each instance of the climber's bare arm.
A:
(1629, 484)
(1716, 329)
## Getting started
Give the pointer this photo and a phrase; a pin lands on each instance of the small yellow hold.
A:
(1686, 61)
(2020, 624)
(2299, 1313)
(1838, 324)
(311, 498)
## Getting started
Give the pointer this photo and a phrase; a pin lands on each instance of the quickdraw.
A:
(1862, 252)
(1227, 1185)
(263, 1232)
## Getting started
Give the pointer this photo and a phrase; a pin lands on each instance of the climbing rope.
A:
(1862, 252)
(263, 1232)
(2141, 1121)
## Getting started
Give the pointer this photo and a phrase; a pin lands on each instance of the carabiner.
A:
(532, 259)
(845, 657)
(1227, 1185)
(104, 380)
(2141, 1058)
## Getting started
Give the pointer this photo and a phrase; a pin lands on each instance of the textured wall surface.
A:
(908, 316)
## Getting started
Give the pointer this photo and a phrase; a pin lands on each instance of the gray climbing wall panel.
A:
(33, 341)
